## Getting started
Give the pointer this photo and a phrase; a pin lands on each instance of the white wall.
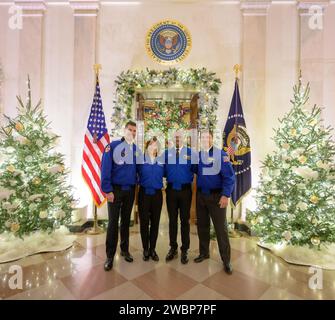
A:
(61, 40)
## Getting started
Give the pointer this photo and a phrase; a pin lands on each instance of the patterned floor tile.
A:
(73, 262)
(136, 268)
(91, 282)
(236, 286)
(197, 271)
(90, 241)
(126, 291)
(278, 294)
(77, 273)
(53, 290)
(30, 260)
(201, 292)
(30, 277)
(164, 283)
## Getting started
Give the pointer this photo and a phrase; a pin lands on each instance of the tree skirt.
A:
(304, 255)
(13, 248)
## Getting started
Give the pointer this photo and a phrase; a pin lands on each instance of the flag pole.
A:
(232, 232)
(95, 229)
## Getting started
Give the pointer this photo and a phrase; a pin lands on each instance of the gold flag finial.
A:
(97, 68)
(237, 69)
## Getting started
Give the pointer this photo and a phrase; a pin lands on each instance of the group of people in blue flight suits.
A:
(124, 166)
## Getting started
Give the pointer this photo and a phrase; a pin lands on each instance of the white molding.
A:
(120, 3)
(255, 8)
(85, 8)
(32, 5)
(285, 2)
(224, 2)
(304, 6)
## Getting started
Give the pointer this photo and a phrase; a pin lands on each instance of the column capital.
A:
(306, 7)
(31, 7)
(85, 7)
(255, 8)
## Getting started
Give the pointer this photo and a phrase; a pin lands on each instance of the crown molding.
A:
(88, 8)
(32, 5)
(255, 8)
(285, 2)
(304, 6)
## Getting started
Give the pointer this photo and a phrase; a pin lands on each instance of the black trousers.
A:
(122, 206)
(208, 208)
(179, 202)
(149, 207)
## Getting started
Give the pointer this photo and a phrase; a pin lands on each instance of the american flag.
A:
(230, 150)
(96, 139)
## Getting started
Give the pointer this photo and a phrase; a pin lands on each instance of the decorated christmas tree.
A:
(295, 197)
(34, 194)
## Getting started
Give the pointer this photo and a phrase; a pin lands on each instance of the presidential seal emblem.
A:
(239, 141)
(168, 42)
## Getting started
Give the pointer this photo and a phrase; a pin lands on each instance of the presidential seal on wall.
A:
(168, 42)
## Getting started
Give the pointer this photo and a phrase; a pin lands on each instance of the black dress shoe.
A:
(228, 268)
(171, 255)
(201, 258)
(108, 264)
(146, 255)
(154, 256)
(127, 256)
(184, 258)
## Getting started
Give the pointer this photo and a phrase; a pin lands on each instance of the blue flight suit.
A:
(150, 200)
(222, 175)
(118, 175)
(180, 166)
(118, 166)
(215, 178)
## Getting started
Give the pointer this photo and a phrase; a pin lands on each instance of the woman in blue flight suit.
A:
(150, 198)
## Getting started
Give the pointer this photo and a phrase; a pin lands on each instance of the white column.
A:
(58, 74)
(253, 81)
(282, 59)
(9, 55)
(30, 50)
(329, 66)
(312, 48)
(85, 25)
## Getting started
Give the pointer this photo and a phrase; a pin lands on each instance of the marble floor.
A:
(77, 273)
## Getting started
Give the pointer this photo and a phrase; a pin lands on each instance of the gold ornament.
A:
(314, 221)
(315, 241)
(293, 132)
(302, 159)
(270, 200)
(19, 126)
(313, 122)
(8, 130)
(10, 168)
(36, 181)
(314, 199)
(15, 227)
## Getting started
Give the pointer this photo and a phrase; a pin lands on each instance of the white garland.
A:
(202, 80)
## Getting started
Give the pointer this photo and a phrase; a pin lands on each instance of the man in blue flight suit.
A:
(118, 179)
(179, 171)
(215, 183)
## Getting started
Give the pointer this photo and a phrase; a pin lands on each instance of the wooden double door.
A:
(146, 107)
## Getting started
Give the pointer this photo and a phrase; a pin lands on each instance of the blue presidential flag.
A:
(236, 143)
